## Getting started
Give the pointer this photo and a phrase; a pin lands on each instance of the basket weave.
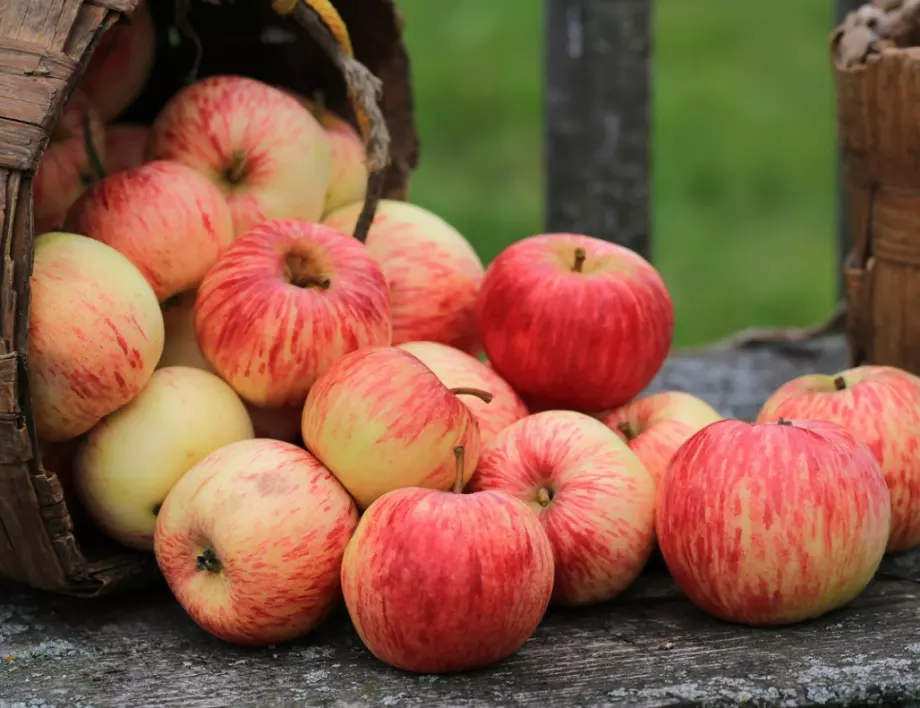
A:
(877, 77)
(44, 48)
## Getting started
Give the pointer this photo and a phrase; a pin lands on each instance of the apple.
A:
(250, 541)
(591, 493)
(276, 423)
(380, 419)
(67, 165)
(125, 146)
(440, 581)
(130, 460)
(95, 334)
(267, 154)
(457, 369)
(121, 65)
(181, 346)
(348, 183)
(880, 405)
(283, 303)
(773, 523)
(574, 322)
(655, 425)
(165, 217)
(433, 272)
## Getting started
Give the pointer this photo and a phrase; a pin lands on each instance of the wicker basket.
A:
(44, 48)
(876, 65)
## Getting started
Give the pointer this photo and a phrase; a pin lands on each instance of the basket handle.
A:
(324, 24)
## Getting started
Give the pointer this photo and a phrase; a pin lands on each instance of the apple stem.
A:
(783, 421)
(544, 496)
(839, 383)
(580, 256)
(460, 456)
(626, 430)
(478, 392)
(234, 173)
(208, 561)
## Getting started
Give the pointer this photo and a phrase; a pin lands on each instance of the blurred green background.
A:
(743, 186)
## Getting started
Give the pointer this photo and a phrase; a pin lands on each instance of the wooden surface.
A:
(598, 118)
(648, 648)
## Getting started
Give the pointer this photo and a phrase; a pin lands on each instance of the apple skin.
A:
(457, 369)
(165, 217)
(380, 420)
(433, 272)
(470, 574)
(95, 334)
(655, 425)
(130, 460)
(121, 65)
(269, 338)
(66, 166)
(125, 146)
(267, 154)
(584, 341)
(880, 405)
(591, 493)
(772, 524)
(268, 526)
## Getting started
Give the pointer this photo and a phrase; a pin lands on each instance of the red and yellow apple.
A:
(880, 405)
(130, 460)
(438, 582)
(125, 146)
(655, 425)
(250, 541)
(380, 420)
(773, 523)
(67, 165)
(433, 272)
(165, 217)
(348, 183)
(592, 495)
(574, 322)
(458, 370)
(95, 334)
(121, 64)
(267, 154)
(284, 302)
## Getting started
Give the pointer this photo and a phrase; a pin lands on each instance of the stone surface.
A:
(647, 648)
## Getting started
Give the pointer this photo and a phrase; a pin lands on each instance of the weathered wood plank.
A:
(597, 105)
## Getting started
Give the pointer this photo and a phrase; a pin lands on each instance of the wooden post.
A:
(597, 104)
(844, 242)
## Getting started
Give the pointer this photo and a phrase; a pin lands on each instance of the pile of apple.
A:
(286, 417)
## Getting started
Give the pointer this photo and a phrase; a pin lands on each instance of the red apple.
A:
(267, 154)
(67, 167)
(880, 405)
(591, 493)
(165, 217)
(95, 334)
(457, 369)
(773, 523)
(251, 539)
(381, 420)
(121, 65)
(655, 425)
(125, 146)
(574, 322)
(283, 303)
(437, 582)
(433, 272)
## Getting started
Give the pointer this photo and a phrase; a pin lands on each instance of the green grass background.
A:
(743, 215)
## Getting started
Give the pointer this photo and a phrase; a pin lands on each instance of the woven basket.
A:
(44, 48)
(876, 66)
